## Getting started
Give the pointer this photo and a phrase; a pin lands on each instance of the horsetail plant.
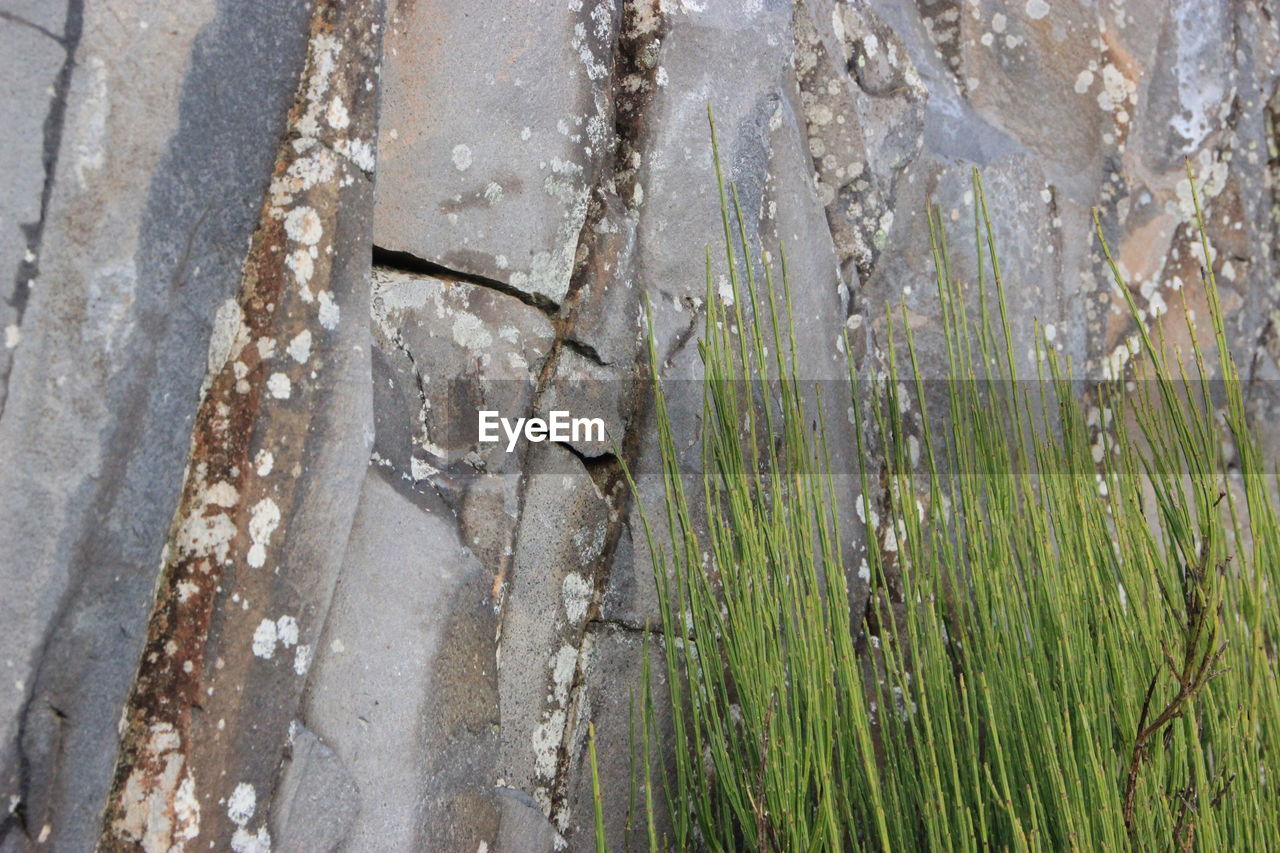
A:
(1071, 633)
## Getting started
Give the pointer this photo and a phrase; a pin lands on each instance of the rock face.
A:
(263, 586)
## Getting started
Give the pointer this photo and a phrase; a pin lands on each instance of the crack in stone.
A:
(410, 263)
(397, 339)
(626, 627)
(23, 22)
(632, 83)
(585, 350)
(29, 266)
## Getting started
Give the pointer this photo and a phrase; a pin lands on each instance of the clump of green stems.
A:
(1061, 651)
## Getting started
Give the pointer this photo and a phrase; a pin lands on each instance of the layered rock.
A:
(263, 585)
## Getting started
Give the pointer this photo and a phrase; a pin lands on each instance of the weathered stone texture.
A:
(114, 333)
(403, 650)
(524, 87)
(403, 688)
(279, 447)
(37, 41)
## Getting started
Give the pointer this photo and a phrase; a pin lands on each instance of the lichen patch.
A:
(242, 803)
(300, 347)
(329, 312)
(159, 810)
(303, 225)
(262, 523)
(279, 386)
(244, 841)
(577, 597)
(203, 534)
(264, 639)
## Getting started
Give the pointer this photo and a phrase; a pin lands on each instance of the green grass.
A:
(1046, 664)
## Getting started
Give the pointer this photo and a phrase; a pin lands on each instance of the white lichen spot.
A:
(244, 841)
(577, 597)
(1113, 366)
(303, 225)
(337, 115)
(263, 462)
(222, 494)
(262, 523)
(359, 152)
(329, 311)
(242, 803)
(186, 809)
(264, 639)
(302, 660)
(159, 810)
(186, 589)
(469, 331)
(461, 157)
(1116, 88)
(279, 386)
(203, 535)
(420, 470)
(1037, 9)
(303, 267)
(319, 166)
(546, 743)
(865, 510)
(300, 347)
(999, 22)
(287, 631)
(563, 666)
(226, 328)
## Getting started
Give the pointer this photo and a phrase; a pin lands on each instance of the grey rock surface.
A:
(613, 699)
(528, 128)
(403, 688)
(524, 826)
(97, 422)
(407, 653)
(37, 41)
(280, 444)
(318, 800)
(561, 538)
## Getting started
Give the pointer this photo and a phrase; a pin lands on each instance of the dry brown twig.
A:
(1198, 669)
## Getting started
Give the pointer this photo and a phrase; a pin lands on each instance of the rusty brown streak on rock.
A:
(229, 562)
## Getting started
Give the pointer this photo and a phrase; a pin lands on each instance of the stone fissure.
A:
(6, 15)
(408, 262)
(53, 127)
(28, 267)
(603, 261)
